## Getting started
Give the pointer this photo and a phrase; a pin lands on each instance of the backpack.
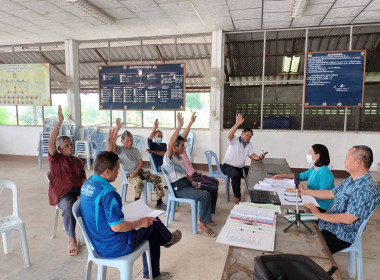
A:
(289, 267)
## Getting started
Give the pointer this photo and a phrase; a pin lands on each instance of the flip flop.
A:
(212, 223)
(72, 249)
(208, 232)
(163, 276)
(177, 237)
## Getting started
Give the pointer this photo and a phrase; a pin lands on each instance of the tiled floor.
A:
(195, 257)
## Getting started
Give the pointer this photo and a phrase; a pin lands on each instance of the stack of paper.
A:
(253, 214)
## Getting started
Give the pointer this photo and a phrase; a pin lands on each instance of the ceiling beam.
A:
(53, 65)
(159, 53)
(101, 57)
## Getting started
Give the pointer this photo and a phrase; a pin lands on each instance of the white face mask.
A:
(309, 158)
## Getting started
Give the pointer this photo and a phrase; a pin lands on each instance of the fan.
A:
(214, 77)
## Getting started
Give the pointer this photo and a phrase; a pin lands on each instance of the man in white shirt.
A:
(238, 150)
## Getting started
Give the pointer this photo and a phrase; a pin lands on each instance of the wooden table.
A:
(297, 240)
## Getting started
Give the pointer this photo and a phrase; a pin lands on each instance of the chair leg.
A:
(227, 183)
(359, 263)
(149, 261)
(80, 237)
(102, 271)
(351, 263)
(194, 211)
(144, 190)
(55, 222)
(172, 208)
(88, 270)
(150, 185)
(40, 162)
(124, 189)
(7, 242)
(88, 159)
(24, 244)
(167, 212)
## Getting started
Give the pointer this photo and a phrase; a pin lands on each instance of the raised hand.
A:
(239, 119)
(60, 115)
(119, 124)
(179, 119)
(156, 123)
(112, 136)
(193, 117)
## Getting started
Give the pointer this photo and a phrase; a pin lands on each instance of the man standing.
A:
(354, 200)
(66, 178)
(132, 163)
(104, 222)
(238, 150)
(181, 184)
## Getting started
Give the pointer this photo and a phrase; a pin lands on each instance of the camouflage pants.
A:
(151, 178)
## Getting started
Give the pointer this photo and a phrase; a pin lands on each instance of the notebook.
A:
(259, 196)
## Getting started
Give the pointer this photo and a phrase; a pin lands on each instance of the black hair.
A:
(323, 152)
(365, 154)
(179, 140)
(105, 160)
(247, 129)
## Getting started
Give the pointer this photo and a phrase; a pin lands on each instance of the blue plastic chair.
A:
(355, 253)
(124, 263)
(154, 171)
(218, 172)
(137, 142)
(172, 200)
(43, 147)
(49, 124)
(99, 143)
(124, 186)
(190, 144)
(82, 147)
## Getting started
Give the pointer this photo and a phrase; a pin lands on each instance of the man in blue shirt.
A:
(354, 200)
(104, 223)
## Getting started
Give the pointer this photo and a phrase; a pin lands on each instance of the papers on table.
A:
(255, 229)
(276, 208)
(138, 209)
(280, 186)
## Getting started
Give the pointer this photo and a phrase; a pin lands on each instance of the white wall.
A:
(292, 145)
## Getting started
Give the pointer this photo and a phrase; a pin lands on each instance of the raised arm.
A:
(174, 137)
(113, 134)
(239, 121)
(54, 133)
(156, 123)
(187, 129)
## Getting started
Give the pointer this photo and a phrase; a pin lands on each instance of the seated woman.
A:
(319, 176)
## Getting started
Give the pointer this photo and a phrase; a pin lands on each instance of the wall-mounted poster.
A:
(25, 84)
(142, 87)
(335, 78)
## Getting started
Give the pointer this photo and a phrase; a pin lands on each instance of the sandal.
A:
(177, 237)
(72, 249)
(163, 276)
(212, 223)
(208, 232)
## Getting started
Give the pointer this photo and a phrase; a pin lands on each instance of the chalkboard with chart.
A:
(335, 78)
(142, 87)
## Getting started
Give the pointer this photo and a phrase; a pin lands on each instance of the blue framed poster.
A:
(142, 87)
(335, 78)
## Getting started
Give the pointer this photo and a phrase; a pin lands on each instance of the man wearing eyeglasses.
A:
(354, 200)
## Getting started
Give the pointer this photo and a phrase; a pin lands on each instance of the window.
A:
(290, 64)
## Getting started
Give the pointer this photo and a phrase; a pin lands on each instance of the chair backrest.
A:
(8, 184)
(190, 143)
(171, 191)
(209, 156)
(68, 128)
(99, 141)
(49, 124)
(152, 165)
(88, 131)
(358, 237)
(47, 175)
(137, 142)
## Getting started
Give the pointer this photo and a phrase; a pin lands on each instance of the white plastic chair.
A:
(82, 147)
(218, 172)
(43, 146)
(49, 124)
(57, 209)
(355, 254)
(13, 222)
(124, 264)
(124, 186)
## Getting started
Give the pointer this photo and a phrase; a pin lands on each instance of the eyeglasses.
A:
(294, 198)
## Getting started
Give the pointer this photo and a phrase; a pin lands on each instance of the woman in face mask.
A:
(319, 176)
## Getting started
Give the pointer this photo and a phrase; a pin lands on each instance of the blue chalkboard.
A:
(335, 78)
(142, 87)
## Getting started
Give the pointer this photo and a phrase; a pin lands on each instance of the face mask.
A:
(158, 140)
(309, 158)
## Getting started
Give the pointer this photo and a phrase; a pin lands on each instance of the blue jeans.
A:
(186, 190)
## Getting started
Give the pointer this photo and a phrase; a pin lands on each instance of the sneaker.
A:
(161, 206)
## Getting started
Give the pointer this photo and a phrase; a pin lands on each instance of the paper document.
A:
(138, 209)
(276, 208)
(253, 214)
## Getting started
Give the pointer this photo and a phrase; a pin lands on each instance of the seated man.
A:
(104, 223)
(181, 184)
(132, 163)
(193, 175)
(66, 178)
(157, 148)
(354, 200)
(238, 150)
